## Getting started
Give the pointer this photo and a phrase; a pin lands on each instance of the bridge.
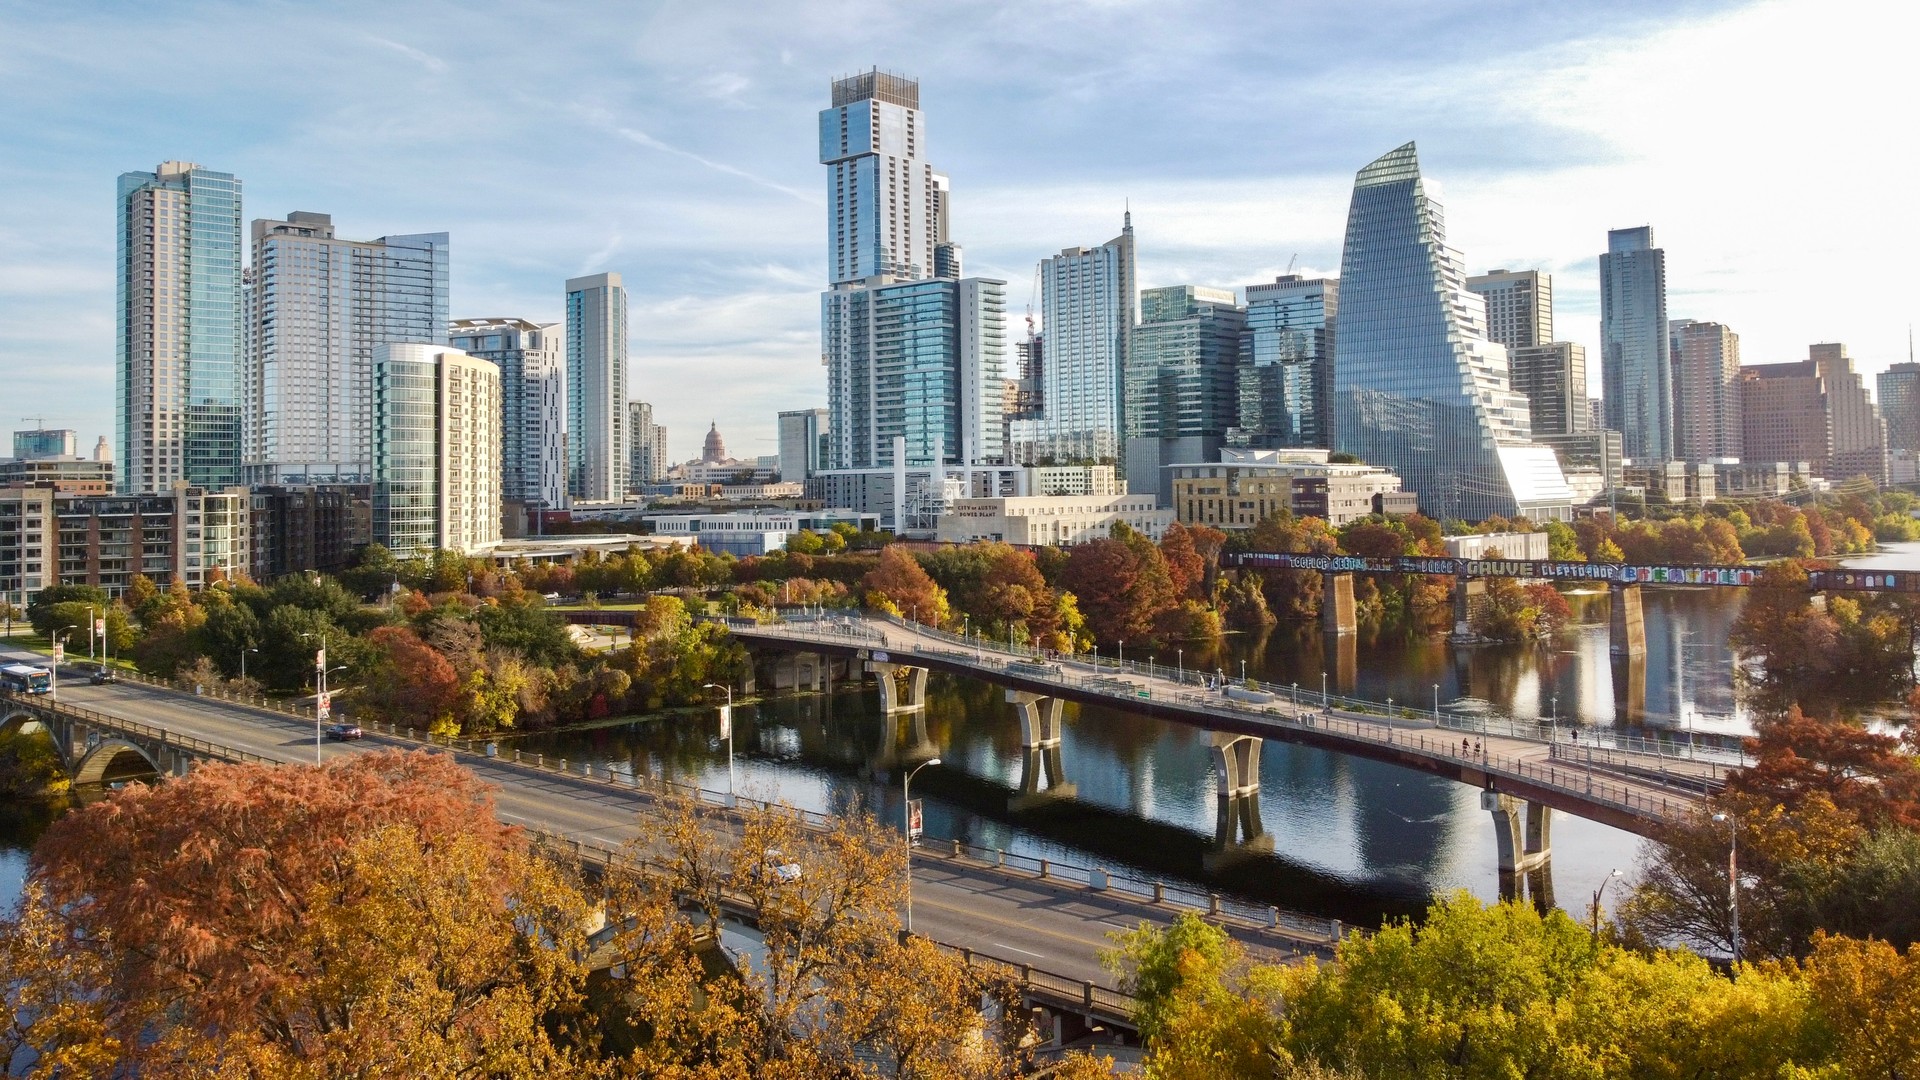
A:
(1522, 772)
(1626, 625)
(1043, 920)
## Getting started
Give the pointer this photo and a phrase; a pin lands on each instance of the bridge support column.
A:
(1337, 612)
(1236, 760)
(1626, 627)
(1043, 773)
(1467, 594)
(1630, 687)
(916, 696)
(1523, 836)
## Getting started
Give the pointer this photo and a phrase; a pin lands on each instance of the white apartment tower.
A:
(596, 339)
(533, 404)
(886, 207)
(436, 465)
(1519, 306)
(1087, 310)
(317, 306)
(179, 329)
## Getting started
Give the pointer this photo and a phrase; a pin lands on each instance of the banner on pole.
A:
(914, 822)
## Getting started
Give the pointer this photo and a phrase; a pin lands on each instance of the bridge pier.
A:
(890, 702)
(1468, 592)
(1630, 687)
(1236, 760)
(1337, 612)
(1522, 831)
(1626, 625)
(1043, 773)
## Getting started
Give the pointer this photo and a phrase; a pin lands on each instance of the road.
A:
(1055, 926)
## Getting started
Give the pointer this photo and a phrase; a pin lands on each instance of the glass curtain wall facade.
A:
(1285, 384)
(1417, 386)
(406, 475)
(179, 329)
(533, 403)
(886, 207)
(1087, 313)
(1180, 368)
(596, 342)
(1899, 393)
(1636, 367)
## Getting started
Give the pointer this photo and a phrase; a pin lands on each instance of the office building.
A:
(1049, 520)
(179, 329)
(1180, 368)
(1519, 306)
(436, 475)
(1417, 387)
(803, 443)
(1706, 400)
(886, 207)
(1898, 389)
(1087, 312)
(532, 359)
(1596, 414)
(1242, 488)
(596, 343)
(317, 305)
(1814, 410)
(1858, 431)
(922, 361)
(1553, 377)
(45, 443)
(1284, 388)
(1636, 366)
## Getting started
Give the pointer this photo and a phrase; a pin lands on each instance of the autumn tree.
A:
(405, 680)
(1186, 568)
(1204, 1012)
(900, 586)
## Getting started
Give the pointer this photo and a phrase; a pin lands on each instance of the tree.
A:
(899, 585)
(53, 1007)
(1869, 995)
(42, 611)
(404, 680)
(1186, 568)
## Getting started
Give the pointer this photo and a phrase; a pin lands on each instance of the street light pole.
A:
(322, 706)
(1597, 894)
(906, 827)
(1180, 664)
(726, 732)
(1436, 704)
(243, 663)
(59, 652)
(1733, 877)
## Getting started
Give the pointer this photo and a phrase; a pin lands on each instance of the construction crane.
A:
(1031, 295)
(1292, 262)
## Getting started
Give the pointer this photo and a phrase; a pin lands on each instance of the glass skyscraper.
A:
(533, 403)
(1285, 384)
(179, 329)
(596, 339)
(317, 307)
(1087, 314)
(1417, 387)
(1179, 375)
(1636, 365)
(886, 207)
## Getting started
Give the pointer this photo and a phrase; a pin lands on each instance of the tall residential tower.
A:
(596, 339)
(1636, 366)
(179, 329)
(886, 207)
(533, 404)
(1285, 384)
(1087, 313)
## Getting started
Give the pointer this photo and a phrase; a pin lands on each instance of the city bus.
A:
(25, 679)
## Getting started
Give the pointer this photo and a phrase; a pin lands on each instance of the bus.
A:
(25, 679)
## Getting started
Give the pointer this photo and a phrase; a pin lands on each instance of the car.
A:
(343, 732)
(102, 676)
(779, 869)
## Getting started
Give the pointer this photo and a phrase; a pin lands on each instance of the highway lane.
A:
(1055, 926)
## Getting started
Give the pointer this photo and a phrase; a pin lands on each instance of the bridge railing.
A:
(124, 727)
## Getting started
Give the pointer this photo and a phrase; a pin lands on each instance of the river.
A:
(1343, 838)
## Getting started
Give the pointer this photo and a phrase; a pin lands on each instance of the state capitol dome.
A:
(716, 449)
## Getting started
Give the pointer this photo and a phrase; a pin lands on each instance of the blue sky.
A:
(1768, 144)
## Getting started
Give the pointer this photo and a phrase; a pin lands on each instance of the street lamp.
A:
(1325, 702)
(59, 651)
(1436, 704)
(243, 663)
(1123, 657)
(1553, 724)
(1733, 876)
(1597, 894)
(1180, 664)
(322, 705)
(906, 822)
(726, 732)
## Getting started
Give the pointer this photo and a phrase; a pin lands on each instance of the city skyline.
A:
(694, 176)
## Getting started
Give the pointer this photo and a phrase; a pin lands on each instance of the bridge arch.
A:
(98, 764)
(17, 721)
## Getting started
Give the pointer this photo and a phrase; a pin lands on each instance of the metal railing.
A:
(119, 725)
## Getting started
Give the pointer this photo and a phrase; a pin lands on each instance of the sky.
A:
(1768, 144)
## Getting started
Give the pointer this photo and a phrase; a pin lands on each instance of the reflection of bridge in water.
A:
(1523, 773)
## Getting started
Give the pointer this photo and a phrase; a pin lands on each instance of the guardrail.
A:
(122, 726)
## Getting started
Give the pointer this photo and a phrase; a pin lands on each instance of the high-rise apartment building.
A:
(533, 404)
(1553, 376)
(919, 360)
(1519, 306)
(45, 442)
(1180, 367)
(1417, 387)
(1087, 312)
(886, 207)
(179, 329)
(1706, 399)
(317, 305)
(596, 342)
(1898, 389)
(436, 439)
(1636, 364)
(803, 443)
(647, 459)
(1285, 383)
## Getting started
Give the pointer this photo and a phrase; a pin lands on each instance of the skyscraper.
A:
(1417, 386)
(1285, 383)
(1859, 432)
(1899, 392)
(179, 329)
(803, 441)
(1706, 399)
(920, 360)
(436, 464)
(316, 307)
(596, 339)
(533, 404)
(1636, 366)
(1553, 376)
(1180, 367)
(886, 207)
(1815, 410)
(1087, 312)
(1519, 306)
